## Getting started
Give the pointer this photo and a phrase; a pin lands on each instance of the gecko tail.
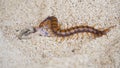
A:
(26, 32)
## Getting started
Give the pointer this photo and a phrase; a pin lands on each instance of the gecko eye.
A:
(40, 35)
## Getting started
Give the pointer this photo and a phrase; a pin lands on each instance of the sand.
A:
(46, 52)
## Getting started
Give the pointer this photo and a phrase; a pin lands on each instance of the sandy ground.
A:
(46, 52)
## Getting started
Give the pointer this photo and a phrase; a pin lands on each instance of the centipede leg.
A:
(82, 35)
(77, 36)
(67, 38)
(71, 36)
(57, 39)
(85, 24)
(62, 39)
(94, 25)
(94, 36)
(107, 36)
(87, 34)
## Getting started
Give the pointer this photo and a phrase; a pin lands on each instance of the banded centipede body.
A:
(52, 23)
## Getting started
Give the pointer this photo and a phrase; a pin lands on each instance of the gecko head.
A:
(43, 31)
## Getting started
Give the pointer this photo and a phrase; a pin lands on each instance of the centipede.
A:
(52, 23)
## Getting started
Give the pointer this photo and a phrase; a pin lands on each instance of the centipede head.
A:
(44, 22)
(47, 21)
(52, 18)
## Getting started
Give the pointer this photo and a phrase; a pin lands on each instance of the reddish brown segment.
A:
(53, 23)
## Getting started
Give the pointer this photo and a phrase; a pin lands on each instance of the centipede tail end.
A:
(108, 29)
